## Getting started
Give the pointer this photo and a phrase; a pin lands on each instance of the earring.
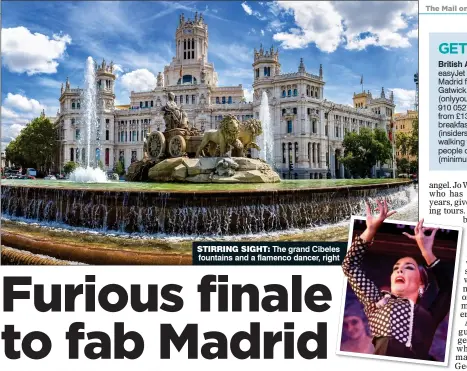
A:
(420, 292)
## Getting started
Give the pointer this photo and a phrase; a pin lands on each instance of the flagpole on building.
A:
(361, 82)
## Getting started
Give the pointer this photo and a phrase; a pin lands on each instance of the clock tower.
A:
(190, 65)
(191, 40)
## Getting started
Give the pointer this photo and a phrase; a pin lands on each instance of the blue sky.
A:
(44, 42)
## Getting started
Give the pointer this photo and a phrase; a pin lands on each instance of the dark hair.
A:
(423, 275)
(422, 270)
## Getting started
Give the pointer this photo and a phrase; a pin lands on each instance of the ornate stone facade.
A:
(300, 115)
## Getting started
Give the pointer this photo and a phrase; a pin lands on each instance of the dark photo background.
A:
(389, 246)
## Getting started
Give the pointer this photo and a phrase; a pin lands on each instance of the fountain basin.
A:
(213, 170)
(227, 210)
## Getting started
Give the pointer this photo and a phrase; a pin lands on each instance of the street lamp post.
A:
(327, 111)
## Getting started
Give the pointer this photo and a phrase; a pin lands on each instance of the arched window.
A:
(73, 104)
(229, 100)
(295, 92)
(318, 153)
(290, 153)
(296, 152)
(283, 93)
(289, 92)
(289, 126)
(217, 100)
(283, 153)
(187, 80)
(223, 100)
(309, 151)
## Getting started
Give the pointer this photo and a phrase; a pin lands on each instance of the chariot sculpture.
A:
(180, 140)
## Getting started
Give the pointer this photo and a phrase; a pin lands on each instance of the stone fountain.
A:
(184, 154)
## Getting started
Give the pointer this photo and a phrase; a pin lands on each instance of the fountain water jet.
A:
(268, 137)
(88, 171)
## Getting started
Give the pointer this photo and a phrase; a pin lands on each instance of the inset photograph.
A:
(400, 287)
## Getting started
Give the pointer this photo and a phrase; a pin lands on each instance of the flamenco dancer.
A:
(399, 324)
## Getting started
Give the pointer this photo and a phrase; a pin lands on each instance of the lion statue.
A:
(248, 131)
(222, 139)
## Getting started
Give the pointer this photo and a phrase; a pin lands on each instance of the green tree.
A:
(403, 165)
(363, 150)
(119, 168)
(413, 167)
(413, 139)
(403, 143)
(36, 145)
(101, 165)
(69, 167)
(14, 155)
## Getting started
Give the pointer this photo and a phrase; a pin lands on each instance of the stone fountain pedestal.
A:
(210, 170)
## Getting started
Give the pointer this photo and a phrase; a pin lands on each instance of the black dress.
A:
(399, 327)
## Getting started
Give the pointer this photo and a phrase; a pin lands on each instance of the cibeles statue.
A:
(174, 116)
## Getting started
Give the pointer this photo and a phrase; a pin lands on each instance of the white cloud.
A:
(252, 12)
(139, 80)
(8, 114)
(381, 21)
(413, 34)
(118, 70)
(404, 99)
(12, 131)
(262, 32)
(318, 22)
(32, 53)
(22, 103)
(248, 93)
(247, 9)
(356, 25)
(275, 25)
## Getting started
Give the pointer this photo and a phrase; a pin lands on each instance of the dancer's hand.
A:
(424, 242)
(374, 222)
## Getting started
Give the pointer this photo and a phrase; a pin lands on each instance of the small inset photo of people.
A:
(399, 297)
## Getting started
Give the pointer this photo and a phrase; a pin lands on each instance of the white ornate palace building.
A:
(308, 129)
